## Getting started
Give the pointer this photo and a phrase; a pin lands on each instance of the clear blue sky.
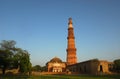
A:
(40, 26)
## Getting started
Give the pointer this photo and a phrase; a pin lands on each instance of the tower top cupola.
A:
(70, 23)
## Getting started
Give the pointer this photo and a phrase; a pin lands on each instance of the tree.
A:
(8, 45)
(39, 68)
(6, 54)
(12, 57)
(44, 68)
(117, 65)
(23, 59)
(4, 60)
(36, 68)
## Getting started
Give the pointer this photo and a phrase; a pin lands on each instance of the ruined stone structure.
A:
(71, 50)
(93, 66)
(56, 65)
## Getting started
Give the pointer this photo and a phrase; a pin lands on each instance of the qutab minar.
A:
(71, 49)
(92, 66)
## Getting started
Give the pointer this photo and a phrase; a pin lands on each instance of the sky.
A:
(41, 28)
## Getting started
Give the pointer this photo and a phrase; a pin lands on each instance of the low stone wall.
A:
(48, 73)
(12, 71)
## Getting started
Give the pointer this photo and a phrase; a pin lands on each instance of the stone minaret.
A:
(71, 50)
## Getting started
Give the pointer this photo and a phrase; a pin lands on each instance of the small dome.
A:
(55, 59)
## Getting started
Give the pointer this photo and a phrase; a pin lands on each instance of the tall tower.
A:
(71, 50)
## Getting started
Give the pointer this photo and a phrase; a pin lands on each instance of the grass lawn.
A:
(62, 77)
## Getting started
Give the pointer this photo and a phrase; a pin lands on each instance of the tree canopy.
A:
(117, 65)
(39, 68)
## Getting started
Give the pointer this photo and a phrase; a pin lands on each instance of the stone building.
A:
(56, 65)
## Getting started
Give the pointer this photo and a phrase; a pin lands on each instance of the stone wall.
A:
(103, 66)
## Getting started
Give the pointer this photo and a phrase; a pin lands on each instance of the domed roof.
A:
(56, 59)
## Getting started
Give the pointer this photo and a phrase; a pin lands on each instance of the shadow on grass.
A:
(77, 77)
(14, 77)
(113, 76)
(60, 77)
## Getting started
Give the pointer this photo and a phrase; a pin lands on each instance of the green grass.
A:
(62, 77)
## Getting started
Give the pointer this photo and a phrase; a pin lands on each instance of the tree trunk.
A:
(3, 70)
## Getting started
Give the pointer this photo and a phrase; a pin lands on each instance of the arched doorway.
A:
(101, 68)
